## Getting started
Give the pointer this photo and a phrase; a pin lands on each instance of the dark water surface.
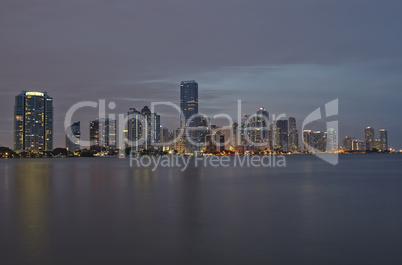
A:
(101, 211)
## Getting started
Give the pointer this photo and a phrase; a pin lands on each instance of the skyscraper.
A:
(293, 142)
(144, 130)
(135, 130)
(282, 126)
(348, 143)
(33, 122)
(179, 144)
(369, 137)
(314, 141)
(164, 135)
(332, 140)
(189, 107)
(319, 140)
(307, 141)
(358, 145)
(153, 129)
(102, 134)
(73, 145)
(214, 143)
(384, 140)
(189, 102)
(245, 131)
(260, 125)
(378, 145)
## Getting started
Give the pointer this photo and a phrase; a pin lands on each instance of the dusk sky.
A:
(287, 56)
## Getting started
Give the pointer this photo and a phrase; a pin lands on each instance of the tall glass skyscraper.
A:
(33, 122)
(369, 137)
(144, 130)
(153, 129)
(384, 140)
(189, 102)
(73, 145)
(261, 123)
(307, 141)
(293, 142)
(102, 134)
(282, 125)
(332, 140)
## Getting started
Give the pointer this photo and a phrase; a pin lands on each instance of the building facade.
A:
(384, 140)
(348, 143)
(369, 137)
(33, 122)
(282, 130)
(214, 143)
(358, 145)
(293, 142)
(307, 141)
(102, 134)
(189, 102)
(261, 125)
(73, 136)
(332, 140)
(144, 130)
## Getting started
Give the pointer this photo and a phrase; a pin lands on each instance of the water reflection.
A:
(95, 211)
(32, 187)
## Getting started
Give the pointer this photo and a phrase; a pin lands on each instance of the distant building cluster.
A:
(255, 133)
(320, 141)
(369, 144)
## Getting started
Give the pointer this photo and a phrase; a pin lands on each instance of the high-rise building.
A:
(153, 129)
(293, 141)
(189, 102)
(307, 141)
(358, 145)
(204, 129)
(282, 126)
(235, 139)
(369, 137)
(228, 136)
(260, 125)
(331, 140)
(179, 143)
(33, 122)
(73, 136)
(144, 130)
(214, 143)
(102, 134)
(164, 135)
(135, 130)
(189, 108)
(319, 140)
(245, 132)
(377, 145)
(314, 141)
(274, 137)
(384, 140)
(348, 143)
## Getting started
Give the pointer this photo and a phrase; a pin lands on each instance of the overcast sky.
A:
(287, 56)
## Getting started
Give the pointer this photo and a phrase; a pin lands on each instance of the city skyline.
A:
(173, 123)
(195, 132)
(33, 117)
(282, 70)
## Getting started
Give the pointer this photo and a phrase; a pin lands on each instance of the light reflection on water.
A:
(101, 211)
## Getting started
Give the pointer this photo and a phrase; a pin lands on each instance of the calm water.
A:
(101, 211)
